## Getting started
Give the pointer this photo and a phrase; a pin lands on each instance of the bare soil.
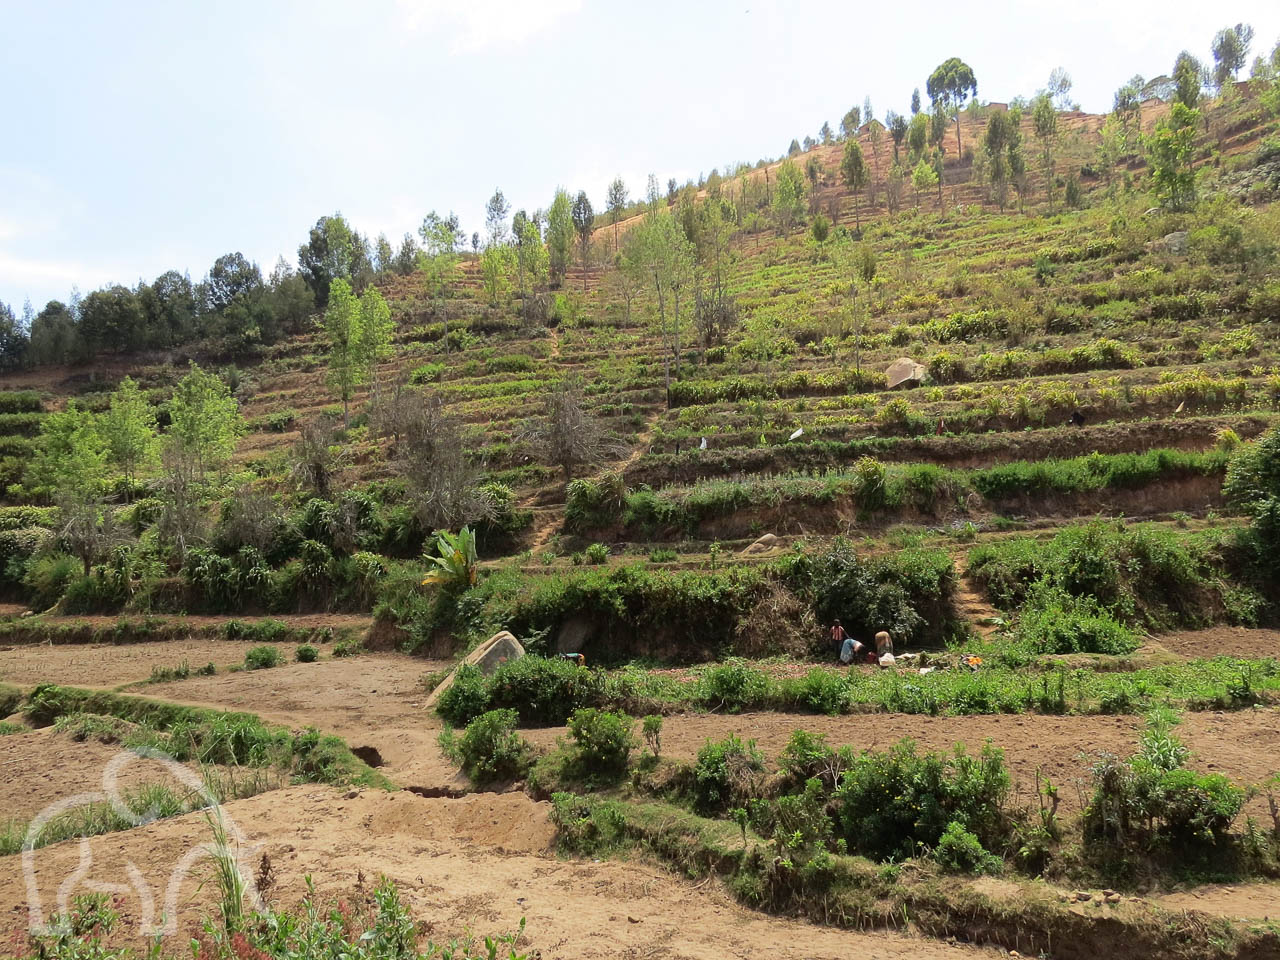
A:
(108, 665)
(42, 766)
(1219, 641)
(477, 863)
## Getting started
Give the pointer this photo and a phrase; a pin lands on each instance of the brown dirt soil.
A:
(370, 700)
(1251, 901)
(42, 766)
(478, 862)
(1218, 641)
(108, 665)
(199, 621)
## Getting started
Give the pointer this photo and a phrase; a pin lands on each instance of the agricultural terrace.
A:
(257, 535)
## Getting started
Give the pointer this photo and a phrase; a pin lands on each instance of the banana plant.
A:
(456, 565)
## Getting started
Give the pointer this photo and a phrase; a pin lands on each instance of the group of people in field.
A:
(851, 651)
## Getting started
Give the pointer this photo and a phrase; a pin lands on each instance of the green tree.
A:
(951, 84)
(1188, 78)
(373, 335)
(896, 124)
(342, 335)
(1059, 88)
(495, 269)
(495, 218)
(850, 123)
(584, 219)
(1044, 119)
(1230, 52)
(794, 148)
(616, 201)
(559, 236)
(70, 467)
(918, 135)
(330, 252)
(915, 102)
(996, 145)
(789, 196)
(923, 177)
(824, 133)
(1170, 151)
(857, 261)
(439, 262)
(15, 340)
(853, 168)
(1127, 108)
(204, 419)
(659, 254)
(129, 429)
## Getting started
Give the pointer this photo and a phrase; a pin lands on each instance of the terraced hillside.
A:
(685, 460)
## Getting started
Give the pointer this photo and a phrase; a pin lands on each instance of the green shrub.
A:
(466, 698)
(306, 653)
(47, 578)
(727, 773)
(490, 750)
(513, 363)
(591, 504)
(541, 690)
(733, 686)
(427, 373)
(819, 691)
(960, 851)
(1053, 621)
(350, 647)
(602, 743)
(260, 658)
(20, 401)
(887, 804)
(587, 826)
(597, 553)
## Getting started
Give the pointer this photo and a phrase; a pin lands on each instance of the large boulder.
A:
(764, 544)
(906, 371)
(490, 655)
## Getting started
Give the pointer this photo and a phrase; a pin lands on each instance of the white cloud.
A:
(482, 24)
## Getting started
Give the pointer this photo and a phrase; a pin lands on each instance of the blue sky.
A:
(145, 136)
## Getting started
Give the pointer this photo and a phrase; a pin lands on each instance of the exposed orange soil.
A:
(42, 766)
(1219, 641)
(476, 863)
(108, 665)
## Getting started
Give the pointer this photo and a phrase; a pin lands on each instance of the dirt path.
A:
(480, 862)
(971, 605)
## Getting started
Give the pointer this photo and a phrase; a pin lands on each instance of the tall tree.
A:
(951, 84)
(853, 168)
(204, 420)
(373, 339)
(439, 262)
(996, 144)
(1188, 79)
(15, 340)
(70, 465)
(918, 135)
(1170, 151)
(129, 429)
(915, 101)
(330, 252)
(896, 124)
(1127, 107)
(824, 133)
(850, 123)
(1059, 88)
(560, 236)
(659, 252)
(789, 197)
(584, 220)
(1044, 119)
(1230, 52)
(342, 335)
(495, 218)
(616, 200)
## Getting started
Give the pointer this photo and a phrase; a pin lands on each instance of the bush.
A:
(20, 401)
(306, 653)
(592, 504)
(929, 792)
(490, 750)
(466, 698)
(260, 658)
(47, 578)
(603, 743)
(540, 690)
(597, 553)
(727, 773)
(427, 373)
(733, 686)
(960, 851)
(1053, 621)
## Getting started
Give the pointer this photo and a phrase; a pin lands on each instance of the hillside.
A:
(686, 462)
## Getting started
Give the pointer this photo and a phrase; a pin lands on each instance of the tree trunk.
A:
(959, 151)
